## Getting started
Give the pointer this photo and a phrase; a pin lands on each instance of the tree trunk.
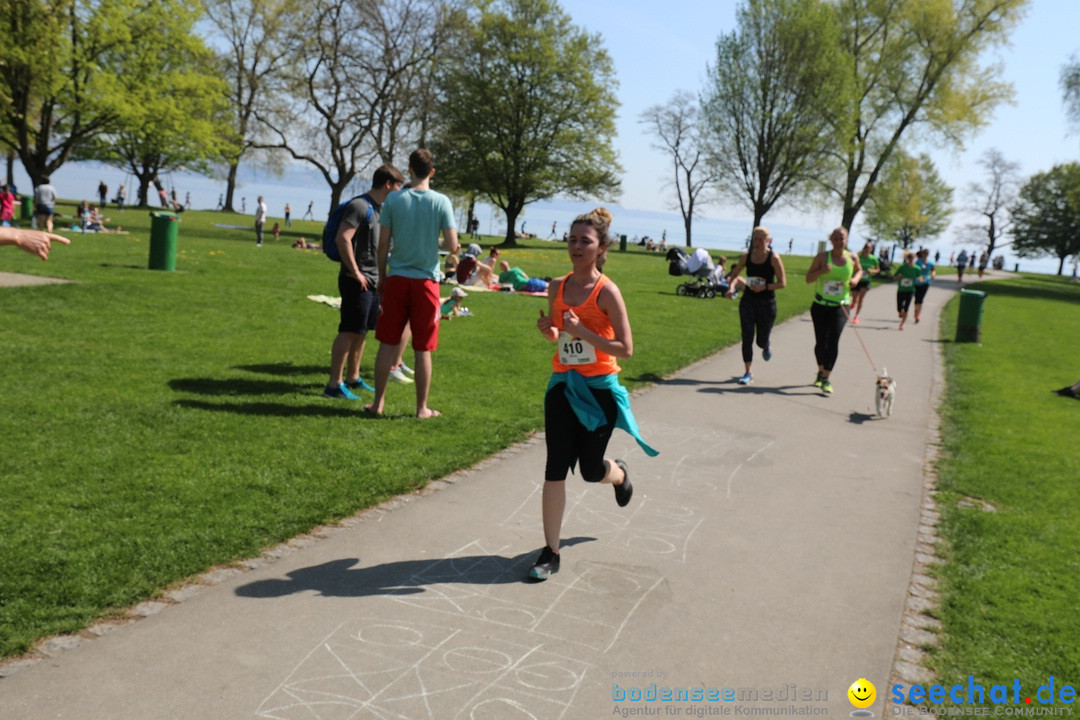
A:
(144, 188)
(759, 216)
(512, 211)
(10, 168)
(230, 187)
(1061, 264)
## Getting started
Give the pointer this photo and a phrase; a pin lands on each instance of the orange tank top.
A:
(579, 355)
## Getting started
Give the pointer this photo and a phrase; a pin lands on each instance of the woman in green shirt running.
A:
(870, 266)
(835, 272)
(906, 277)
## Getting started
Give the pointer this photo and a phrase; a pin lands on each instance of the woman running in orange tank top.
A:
(588, 321)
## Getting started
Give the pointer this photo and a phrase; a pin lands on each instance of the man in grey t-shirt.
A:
(44, 204)
(357, 239)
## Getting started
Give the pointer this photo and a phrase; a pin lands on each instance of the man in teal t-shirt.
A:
(410, 223)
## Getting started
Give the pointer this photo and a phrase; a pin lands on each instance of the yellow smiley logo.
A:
(862, 693)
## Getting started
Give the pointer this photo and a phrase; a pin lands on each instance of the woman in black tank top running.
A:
(757, 310)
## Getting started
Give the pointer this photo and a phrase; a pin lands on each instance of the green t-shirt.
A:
(835, 285)
(868, 263)
(906, 276)
(515, 277)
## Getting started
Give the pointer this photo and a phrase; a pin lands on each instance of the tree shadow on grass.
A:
(123, 267)
(353, 409)
(284, 369)
(236, 386)
(339, 578)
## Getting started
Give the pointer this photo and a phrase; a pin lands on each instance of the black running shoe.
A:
(546, 565)
(624, 491)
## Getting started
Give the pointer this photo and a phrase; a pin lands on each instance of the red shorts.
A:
(414, 301)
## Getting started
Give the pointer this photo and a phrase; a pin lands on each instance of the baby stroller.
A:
(699, 266)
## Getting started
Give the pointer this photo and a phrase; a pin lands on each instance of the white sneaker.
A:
(406, 369)
(398, 376)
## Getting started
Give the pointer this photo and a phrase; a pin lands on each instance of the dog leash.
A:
(859, 337)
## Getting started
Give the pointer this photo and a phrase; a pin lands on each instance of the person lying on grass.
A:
(520, 280)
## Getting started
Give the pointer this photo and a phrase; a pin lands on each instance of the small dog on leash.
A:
(884, 393)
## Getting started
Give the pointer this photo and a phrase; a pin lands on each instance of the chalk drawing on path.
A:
(443, 653)
(386, 668)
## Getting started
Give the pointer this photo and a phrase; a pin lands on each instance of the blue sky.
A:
(661, 47)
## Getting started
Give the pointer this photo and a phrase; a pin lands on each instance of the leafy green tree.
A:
(676, 124)
(255, 34)
(353, 92)
(526, 109)
(55, 94)
(910, 203)
(913, 64)
(174, 101)
(1046, 216)
(770, 99)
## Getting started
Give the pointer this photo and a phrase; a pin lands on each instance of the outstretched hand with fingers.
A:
(32, 241)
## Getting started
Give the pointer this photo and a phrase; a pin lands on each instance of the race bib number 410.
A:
(573, 351)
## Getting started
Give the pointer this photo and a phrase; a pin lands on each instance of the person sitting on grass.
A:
(451, 306)
(470, 271)
(96, 222)
(519, 280)
(451, 266)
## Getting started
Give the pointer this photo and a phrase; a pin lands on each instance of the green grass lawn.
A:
(159, 423)
(1011, 584)
(156, 424)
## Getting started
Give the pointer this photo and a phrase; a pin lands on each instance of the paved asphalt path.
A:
(767, 550)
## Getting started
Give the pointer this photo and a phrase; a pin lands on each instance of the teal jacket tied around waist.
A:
(588, 411)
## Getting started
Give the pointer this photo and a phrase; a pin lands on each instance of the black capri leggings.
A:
(829, 321)
(920, 293)
(756, 316)
(568, 442)
(903, 301)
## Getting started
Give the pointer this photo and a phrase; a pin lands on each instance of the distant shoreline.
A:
(298, 187)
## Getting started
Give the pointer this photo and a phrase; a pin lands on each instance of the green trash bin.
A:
(622, 243)
(969, 323)
(26, 209)
(164, 229)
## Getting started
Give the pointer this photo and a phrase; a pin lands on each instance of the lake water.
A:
(300, 186)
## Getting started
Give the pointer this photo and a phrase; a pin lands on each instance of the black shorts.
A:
(920, 293)
(569, 443)
(903, 301)
(359, 307)
(864, 284)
